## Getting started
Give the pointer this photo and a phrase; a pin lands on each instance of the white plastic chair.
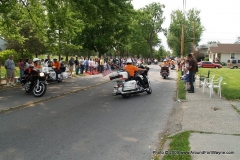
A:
(206, 82)
(215, 84)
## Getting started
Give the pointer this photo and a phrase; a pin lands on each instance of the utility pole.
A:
(182, 36)
(182, 41)
(194, 37)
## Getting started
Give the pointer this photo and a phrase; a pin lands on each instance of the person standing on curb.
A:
(81, 65)
(27, 64)
(76, 62)
(10, 68)
(192, 71)
(71, 63)
(101, 65)
(86, 64)
(21, 67)
(48, 61)
(91, 65)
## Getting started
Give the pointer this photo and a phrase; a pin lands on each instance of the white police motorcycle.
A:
(126, 87)
(51, 74)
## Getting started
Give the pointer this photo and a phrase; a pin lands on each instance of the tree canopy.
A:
(72, 26)
(193, 30)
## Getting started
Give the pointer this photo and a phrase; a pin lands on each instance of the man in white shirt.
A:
(81, 61)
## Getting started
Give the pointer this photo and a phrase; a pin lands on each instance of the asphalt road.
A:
(90, 124)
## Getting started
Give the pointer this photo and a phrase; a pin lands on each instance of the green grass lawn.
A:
(180, 87)
(179, 147)
(230, 83)
(3, 72)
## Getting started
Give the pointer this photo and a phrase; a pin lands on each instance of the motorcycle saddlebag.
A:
(65, 75)
(164, 68)
(124, 74)
(129, 85)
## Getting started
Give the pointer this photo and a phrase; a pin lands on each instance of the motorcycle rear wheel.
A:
(39, 91)
(60, 78)
(126, 95)
(149, 90)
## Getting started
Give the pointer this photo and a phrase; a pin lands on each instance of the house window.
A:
(232, 55)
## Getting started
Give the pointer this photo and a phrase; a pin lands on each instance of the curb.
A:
(50, 98)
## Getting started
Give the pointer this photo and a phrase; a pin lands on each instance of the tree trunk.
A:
(151, 51)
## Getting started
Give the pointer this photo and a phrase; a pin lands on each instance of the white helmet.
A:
(36, 59)
(129, 60)
(164, 60)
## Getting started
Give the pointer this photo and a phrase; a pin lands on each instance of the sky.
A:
(220, 18)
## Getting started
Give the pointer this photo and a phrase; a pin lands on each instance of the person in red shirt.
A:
(56, 66)
(21, 67)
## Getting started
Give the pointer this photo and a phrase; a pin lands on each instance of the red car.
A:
(207, 64)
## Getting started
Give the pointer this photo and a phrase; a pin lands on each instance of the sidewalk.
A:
(215, 123)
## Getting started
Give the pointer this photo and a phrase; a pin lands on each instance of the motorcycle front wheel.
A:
(40, 90)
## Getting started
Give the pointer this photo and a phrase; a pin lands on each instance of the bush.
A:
(206, 59)
(4, 55)
(199, 59)
(223, 63)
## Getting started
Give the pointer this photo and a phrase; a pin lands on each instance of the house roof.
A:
(226, 48)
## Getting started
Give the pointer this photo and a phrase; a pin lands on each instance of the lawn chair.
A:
(202, 77)
(215, 84)
(206, 82)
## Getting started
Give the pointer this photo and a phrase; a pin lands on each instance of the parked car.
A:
(233, 63)
(207, 64)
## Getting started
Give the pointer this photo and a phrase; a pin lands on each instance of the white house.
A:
(2, 44)
(224, 52)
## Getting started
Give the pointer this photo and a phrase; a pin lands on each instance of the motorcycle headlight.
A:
(41, 74)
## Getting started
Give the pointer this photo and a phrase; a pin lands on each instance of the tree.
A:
(238, 40)
(150, 20)
(106, 31)
(69, 26)
(213, 42)
(192, 31)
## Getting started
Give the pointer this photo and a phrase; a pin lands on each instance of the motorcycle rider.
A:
(172, 62)
(56, 66)
(36, 64)
(131, 69)
(165, 64)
